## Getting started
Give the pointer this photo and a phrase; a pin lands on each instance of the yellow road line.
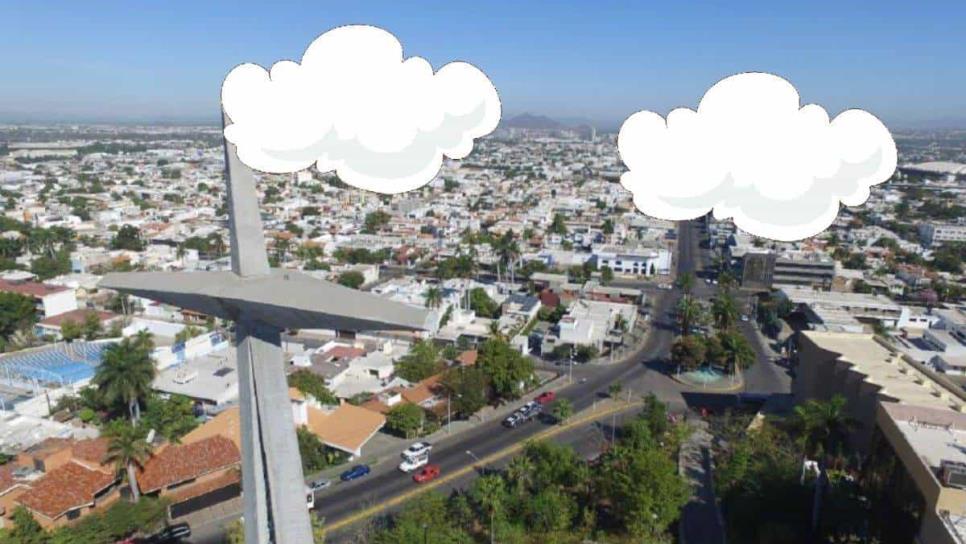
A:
(415, 491)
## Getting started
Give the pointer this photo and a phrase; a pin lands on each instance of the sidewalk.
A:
(701, 521)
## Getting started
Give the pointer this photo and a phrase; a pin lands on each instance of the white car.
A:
(418, 449)
(412, 463)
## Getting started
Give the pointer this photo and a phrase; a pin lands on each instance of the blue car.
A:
(357, 471)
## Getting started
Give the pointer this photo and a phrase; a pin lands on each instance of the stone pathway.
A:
(701, 521)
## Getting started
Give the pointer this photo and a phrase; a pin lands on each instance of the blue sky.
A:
(600, 60)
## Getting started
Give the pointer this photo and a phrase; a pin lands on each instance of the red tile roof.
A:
(30, 288)
(90, 450)
(77, 316)
(467, 358)
(65, 488)
(180, 463)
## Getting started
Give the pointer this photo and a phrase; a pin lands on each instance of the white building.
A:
(933, 234)
(594, 323)
(637, 261)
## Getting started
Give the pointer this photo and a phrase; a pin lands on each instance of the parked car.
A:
(418, 449)
(429, 472)
(512, 420)
(530, 409)
(546, 397)
(170, 534)
(320, 484)
(744, 317)
(357, 471)
(410, 464)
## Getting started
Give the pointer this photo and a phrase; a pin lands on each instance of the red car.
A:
(428, 472)
(546, 397)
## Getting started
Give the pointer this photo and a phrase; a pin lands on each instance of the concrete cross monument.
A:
(262, 302)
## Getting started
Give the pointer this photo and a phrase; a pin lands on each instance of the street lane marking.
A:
(449, 477)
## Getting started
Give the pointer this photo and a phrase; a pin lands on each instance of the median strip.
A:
(543, 435)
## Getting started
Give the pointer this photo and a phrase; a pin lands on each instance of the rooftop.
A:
(65, 488)
(896, 376)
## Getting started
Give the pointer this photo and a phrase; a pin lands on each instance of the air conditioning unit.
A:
(953, 474)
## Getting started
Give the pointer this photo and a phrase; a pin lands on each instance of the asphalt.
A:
(644, 371)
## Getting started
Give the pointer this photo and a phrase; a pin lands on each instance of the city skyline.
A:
(561, 61)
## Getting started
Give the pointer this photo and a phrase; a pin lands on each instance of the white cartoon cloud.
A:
(356, 106)
(752, 153)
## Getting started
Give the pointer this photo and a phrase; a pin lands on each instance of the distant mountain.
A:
(527, 120)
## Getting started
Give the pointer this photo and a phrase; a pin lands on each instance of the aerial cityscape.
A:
(207, 337)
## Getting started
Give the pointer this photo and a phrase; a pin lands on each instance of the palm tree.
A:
(520, 473)
(126, 372)
(690, 313)
(738, 353)
(128, 450)
(434, 297)
(686, 283)
(824, 425)
(724, 310)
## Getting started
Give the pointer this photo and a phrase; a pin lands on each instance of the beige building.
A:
(927, 441)
(917, 412)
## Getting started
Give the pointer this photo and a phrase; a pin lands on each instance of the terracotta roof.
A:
(77, 316)
(190, 492)
(346, 427)
(422, 391)
(48, 446)
(342, 353)
(467, 358)
(226, 424)
(30, 288)
(177, 464)
(91, 450)
(65, 488)
(7, 480)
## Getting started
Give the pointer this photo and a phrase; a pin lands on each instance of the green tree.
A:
(688, 352)
(614, 390)
(16, 312)
(351, 279)
(315, 455)
(128, 450)
(738, 352)
(606, 274)
(91, 327)
(824, 426)
(70, 330)
(421, 362)
(434, 297)
(690, 314)
(507, 370)
(312, 384)
(644, 489)
(375, 221)
(126, 373)
(562, 409)
(467, 388)
(128, 237)
(421, 522)
(482, 304)
(172, 417)
(724, 311)
(685, 283)
(607, 227)
(406, 420)
(559, 225)
(25, 529)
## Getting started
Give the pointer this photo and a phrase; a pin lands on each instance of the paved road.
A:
(764, 377)
(643, 372)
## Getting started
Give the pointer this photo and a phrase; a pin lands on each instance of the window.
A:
(73, 514)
